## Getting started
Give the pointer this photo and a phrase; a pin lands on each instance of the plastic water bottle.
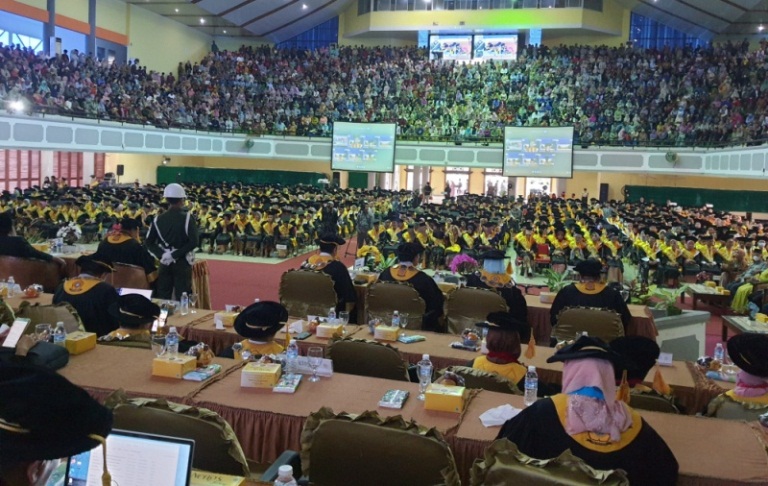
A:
(331, 315)
(11, 286)
(425, 374)
(184, 304)
(172, 342)
(531, 386)
(291, 356)
(60, 334)
(285, 476)
(396, 321)
(719, 352)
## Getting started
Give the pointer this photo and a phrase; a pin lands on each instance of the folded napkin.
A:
(497, 416)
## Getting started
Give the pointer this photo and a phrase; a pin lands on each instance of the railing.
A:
(476, 140)
(367, 6)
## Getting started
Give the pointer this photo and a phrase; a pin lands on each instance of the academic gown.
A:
(576, 295)
(538, 432)
(91, 298)
(429, 291)
(124, 249)
(342, 283)
(17, 246)
(511, 294)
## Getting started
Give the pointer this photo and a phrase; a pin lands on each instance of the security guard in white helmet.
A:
(172, 238)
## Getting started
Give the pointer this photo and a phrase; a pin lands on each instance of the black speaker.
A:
(337, 179)
(120, 169)
(603, 192)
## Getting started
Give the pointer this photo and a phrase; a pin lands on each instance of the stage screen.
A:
(502, 47)
(538, 152)
(366, 147)
(450, 47)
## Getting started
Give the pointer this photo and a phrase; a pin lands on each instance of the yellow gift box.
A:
(385, 333)
(444, 398)
(226, 319)
(366, 278)
(79, 342)
(44, 247)
(170, 367)
(260, 375)
(710, 284)
(447, 287)
(760, 317)
(328, 330)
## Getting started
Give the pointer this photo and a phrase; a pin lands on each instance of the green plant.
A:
(666, 299)
(385, 263)
(555, 280)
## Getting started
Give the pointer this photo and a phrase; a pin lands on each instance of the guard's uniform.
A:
(175, 231)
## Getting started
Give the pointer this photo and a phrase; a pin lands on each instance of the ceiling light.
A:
(304, 6)
(760, 28)
(176, 10)
(202, 20)
(225, 31)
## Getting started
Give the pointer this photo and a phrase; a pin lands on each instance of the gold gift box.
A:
(170, 367)
(226, 319)
(79, 342)
(363, 278)
(260, 375)
(447, 287)
(328, 330)
(385, 333)
(444, 398)
(710, 284)
(760, 317)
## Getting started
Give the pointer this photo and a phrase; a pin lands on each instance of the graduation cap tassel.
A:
(659, 384)
(530, 350)
(623, 392)
(509, 268)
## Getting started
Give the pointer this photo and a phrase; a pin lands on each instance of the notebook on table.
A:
(135, 459)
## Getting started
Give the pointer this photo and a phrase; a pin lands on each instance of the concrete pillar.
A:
(46, 164)
(89, 166)
(49, 29)
(372, 180)
(90, 39)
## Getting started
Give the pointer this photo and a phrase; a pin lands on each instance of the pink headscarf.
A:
(587, 414)
(750, 386)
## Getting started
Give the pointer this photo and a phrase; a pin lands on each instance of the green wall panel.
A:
(756, 201)
(167, 175)
(358, 180)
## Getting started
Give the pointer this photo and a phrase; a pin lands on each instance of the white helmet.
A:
(174, 190)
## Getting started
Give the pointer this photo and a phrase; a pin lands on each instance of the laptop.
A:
(135, 459)
(128, 290)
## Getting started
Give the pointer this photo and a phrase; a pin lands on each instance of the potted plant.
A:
(555, 281)
(664, 300)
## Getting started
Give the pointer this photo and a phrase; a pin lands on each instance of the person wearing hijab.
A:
(90, 295)
(134, 314)
(258, 324)
(326, 261)
(589, 292)
(497, 277)
(44, 418)
(588, 419)
(748, 351)
(406, 271)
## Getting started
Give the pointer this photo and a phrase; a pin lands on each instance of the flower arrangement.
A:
(70, 233)
(464, 264)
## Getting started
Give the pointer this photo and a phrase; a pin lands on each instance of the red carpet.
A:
(240, 283)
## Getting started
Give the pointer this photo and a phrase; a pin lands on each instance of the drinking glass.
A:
(403, 323)
(43, 332)
(193, 303)
(158, 345)
(315, 355)
(344, 318)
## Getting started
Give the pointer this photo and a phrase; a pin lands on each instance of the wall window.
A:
(650, 34)
(363, 6)
(99, 161)
(68, 166)
(19, 168)
(322, 35)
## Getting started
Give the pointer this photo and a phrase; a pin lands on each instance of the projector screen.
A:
(366, 147)
(450, 47)
(502, 47)
(538, 152)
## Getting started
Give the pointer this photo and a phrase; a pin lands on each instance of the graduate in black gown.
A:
(325, 261)
(405, 271)
(122, 246)
(90, 295)
(588, 419)
(497, 277)
(589, 292)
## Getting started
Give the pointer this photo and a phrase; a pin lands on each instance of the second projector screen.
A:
(538, 152)
(368, 147)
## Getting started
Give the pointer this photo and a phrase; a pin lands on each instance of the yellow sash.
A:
(590, 288)
(319, 262)
(761, 400)
(80, 285)
(596, 442)
(402, 273)
(119, 238)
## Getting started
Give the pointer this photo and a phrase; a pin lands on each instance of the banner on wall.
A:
(501, 47)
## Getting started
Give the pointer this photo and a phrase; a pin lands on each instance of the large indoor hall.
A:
(383, 242)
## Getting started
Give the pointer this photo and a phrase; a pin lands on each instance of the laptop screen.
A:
(135, 459)
(128, 290)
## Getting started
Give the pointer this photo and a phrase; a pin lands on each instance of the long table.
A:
(708, 451)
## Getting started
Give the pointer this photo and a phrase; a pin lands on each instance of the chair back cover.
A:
(28, 271)
(129, 276)
(603, 323)
(482, 379)
(468, 306)
(654, 403)
(307, 292)
(51, 314)
(367, 358)
(385, 297)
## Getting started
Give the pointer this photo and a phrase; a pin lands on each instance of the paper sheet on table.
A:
(497, 416)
